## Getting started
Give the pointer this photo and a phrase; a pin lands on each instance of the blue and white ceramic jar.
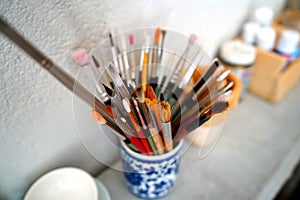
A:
(150, 177)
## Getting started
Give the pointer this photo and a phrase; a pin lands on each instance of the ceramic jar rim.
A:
(152, 158)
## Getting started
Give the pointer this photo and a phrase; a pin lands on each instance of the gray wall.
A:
(39, 124)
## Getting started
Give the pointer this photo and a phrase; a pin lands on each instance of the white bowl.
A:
(62, 184)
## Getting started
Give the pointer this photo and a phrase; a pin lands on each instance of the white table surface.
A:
(258, 149)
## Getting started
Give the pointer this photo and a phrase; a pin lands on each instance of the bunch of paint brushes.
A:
(152, 108)
(148, 106)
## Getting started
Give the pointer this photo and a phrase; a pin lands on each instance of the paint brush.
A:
(211, 86)
(145, 114)
(119, 84)
(181, 84)
(199, 119)
(161, 48)
(138, 129)
(163, 83)
(81, 58)
(190, 99)
(154, 103)
(182, 60)
(142, 105)
(145, 63)
(105, 78)
(162, 70)
(210, 95)
(125, 59)
(153, 128)
(132, 57)
(63, 77)
(122, 123)
(115, 99)
(114, 53)
(155, 58)
(165, 117)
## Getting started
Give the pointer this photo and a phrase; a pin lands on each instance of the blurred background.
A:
(37, 126)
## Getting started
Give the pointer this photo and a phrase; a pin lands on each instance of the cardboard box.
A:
(267, 79)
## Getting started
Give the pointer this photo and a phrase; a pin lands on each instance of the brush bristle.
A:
(110, 39)
(164, 111)
(108, 90)
(161, 97)
(80, 57)
(95, 62)
(115, 76)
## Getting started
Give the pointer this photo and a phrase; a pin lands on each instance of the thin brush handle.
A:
(167, 133)
(67, 80)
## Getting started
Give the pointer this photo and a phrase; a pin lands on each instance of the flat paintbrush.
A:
(153, 128)
(67, 80)
(165, 117)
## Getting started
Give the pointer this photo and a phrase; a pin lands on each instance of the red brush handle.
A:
(136, 142)
(145, 142)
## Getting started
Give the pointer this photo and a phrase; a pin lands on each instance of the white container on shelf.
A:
(288, 42)
(266, 38)
(249, 32)
(264, 16)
